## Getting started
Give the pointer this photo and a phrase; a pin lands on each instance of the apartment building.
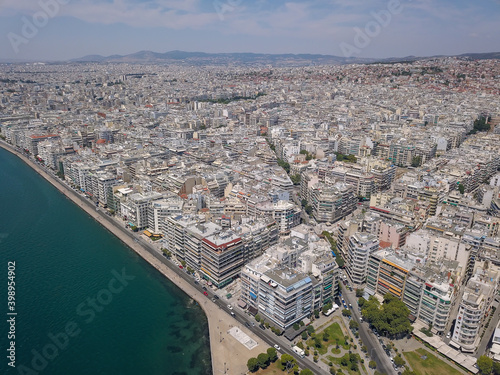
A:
(360, 246)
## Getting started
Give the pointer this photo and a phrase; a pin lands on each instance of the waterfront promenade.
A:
(229, 356)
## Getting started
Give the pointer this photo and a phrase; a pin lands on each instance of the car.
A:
(262, 326)
(253, 324)
(213, 300)
(205, 293)
(180, 267)
(448, 335)
(229, 307)
(216, 296)
(204, 288)
(277, 347)
(247, 324)
(232, 313)
(196, 282)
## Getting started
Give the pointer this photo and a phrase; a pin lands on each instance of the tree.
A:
(353, 324)
(287, 362)
(253, 364)
(263, 360)
(273, 354)
(304, 335)
(257, 317)
(303, 202)
(399, 361)
(359, 293)
(296, 326)
(364, 349)
(317, 342)
(295, 179)
(310, 330)
(496, 368)
(326, 336)
(346, 312)
(372, 364)
(306, 371)
(308, 209)
(416, 161)
(316, 314)
(485, 365)
(461, 188)
(339, 260)
(332, 370)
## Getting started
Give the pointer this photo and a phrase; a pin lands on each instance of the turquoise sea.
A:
(86, 304)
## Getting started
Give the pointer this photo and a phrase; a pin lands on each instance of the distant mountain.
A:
(202, 58)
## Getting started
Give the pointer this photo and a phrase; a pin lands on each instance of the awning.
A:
(147, 233)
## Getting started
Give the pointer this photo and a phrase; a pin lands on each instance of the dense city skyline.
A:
(62, 30)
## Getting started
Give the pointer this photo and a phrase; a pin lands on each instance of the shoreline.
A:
(227, 354)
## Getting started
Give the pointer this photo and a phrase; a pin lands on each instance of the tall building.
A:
(360, 246)
(475, 307)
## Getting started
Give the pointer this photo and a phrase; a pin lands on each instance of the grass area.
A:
(335, 333)
(335, 351)
(270, 370)
(432, 365)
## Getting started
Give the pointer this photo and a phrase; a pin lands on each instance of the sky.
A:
(51, 30)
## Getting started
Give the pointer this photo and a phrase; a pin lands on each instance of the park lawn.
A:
(430, 366)
(335, 332)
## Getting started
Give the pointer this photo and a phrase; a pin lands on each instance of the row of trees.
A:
(390, 318)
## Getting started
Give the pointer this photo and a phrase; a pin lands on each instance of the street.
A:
(375, 350)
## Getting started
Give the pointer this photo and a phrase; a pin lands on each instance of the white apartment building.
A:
(360, 246)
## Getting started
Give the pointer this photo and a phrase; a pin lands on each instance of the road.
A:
(368, 338)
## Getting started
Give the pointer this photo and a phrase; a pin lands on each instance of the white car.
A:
(229, 307)
(448, 335)
(277, 347)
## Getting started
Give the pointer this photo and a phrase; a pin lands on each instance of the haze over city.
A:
(72, 29)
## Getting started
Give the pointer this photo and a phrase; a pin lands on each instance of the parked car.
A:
(229, 307)
(277, 347)
(247, 324)
(205, 293)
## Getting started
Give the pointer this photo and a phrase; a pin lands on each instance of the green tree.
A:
(253, 364)
(332, 370)
(496, 368)
(399, 361)
(485, 365)
(346, 312)
(287, 362)
(296, 326)
(353, 324)
(339, 260)
(316, 313)
(309, 210)
(416, 161)
(304, 335)
(317, 342)
(461, 188)
(372, 364)
(326, 336)
(257, 317)
(295, 179)
(303, 202)
(310, 329)
(273, 354)
(263, 360)
(306, 371)
(359, 293)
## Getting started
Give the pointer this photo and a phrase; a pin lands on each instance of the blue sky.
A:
(75, 28)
